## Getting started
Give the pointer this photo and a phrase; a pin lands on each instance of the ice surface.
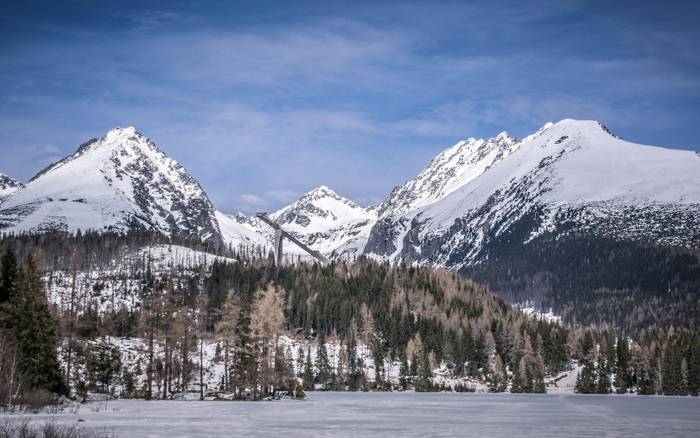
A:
(395, 415)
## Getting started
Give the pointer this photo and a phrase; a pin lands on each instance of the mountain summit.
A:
(570, 177)
(121, 181)
(8, 186)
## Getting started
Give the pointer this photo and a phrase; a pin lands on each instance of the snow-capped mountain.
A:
(239, 230)
(118, 182)
(8, 186)
(322, 219)
(327, 222)
(569, 177)
(447, 172)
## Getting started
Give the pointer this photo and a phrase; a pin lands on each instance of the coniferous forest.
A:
(241, 305)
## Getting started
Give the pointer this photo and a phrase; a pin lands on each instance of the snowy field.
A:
(394, 415)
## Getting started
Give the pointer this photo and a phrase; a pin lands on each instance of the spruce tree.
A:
(403, 372)
(602, 375)
(8, 274)
(424, 382)
(244, 370)
(34, 332)
(622, 375)
(671, 372)
(323, 365)
(694, 366)
(308, 376)
(585, 382)
(354, 368)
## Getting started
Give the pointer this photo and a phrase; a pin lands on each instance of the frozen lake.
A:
(396, 414)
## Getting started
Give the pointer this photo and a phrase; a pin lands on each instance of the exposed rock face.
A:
(121, 182)
(572, 177)
(8, 186)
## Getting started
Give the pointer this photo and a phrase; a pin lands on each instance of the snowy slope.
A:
(237, 230)
(8, 186)
(572, 172)
(324, 220)
(122, 280)
(118, 182)
(447, 172)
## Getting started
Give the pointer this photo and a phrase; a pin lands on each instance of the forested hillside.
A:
(595, 280)
(128, 322)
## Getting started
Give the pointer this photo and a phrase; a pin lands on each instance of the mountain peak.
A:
(8, 186)
(322, 191)
(120, 134)
(121, 181)
(449, 170)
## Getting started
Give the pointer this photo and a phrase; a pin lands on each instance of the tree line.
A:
(417, 317)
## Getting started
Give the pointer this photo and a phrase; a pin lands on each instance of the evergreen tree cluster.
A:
(28, 332)
(661, 362)
(594, 280)
(417, 316)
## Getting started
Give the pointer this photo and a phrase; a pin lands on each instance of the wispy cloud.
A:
(262, 110)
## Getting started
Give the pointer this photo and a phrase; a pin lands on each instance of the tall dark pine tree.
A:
(8, 274)
(424, 382)
(671, 372)
(403, 372)
(34, 330)
(585, 383)
(354, 369)
(622, 374)
(323, 365)
(308, 375)
(694, 366)
(245, 368)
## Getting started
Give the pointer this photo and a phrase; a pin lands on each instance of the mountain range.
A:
(479, 207)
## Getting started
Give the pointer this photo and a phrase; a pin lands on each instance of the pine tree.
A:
(8, 274)
(354, 364)
(424, 382)
(323, 365)
(34, 331)
(602, 375)
(518, 382)
(299, 363)
(585, 382)
(499, 377)
(403, 372)
(622, 375)
(308, 376)
(671, 371)
(694, 366)
(537, 375)
(102, 365)
(245, 368)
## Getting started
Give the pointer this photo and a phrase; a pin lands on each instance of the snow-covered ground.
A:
(118, 283)
(134, 353)
(392, 415)
(530, 309)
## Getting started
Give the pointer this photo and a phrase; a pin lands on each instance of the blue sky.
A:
(262, 101)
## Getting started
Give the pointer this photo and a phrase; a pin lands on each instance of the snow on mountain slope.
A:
(322, 219)
(118, 182)
(447, 172)
(237, 230)
(118, 285)
(8, 186)
(572, 172)
(325, 220)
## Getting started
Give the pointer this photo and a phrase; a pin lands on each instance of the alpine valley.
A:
(566, 261)
(565, 219)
